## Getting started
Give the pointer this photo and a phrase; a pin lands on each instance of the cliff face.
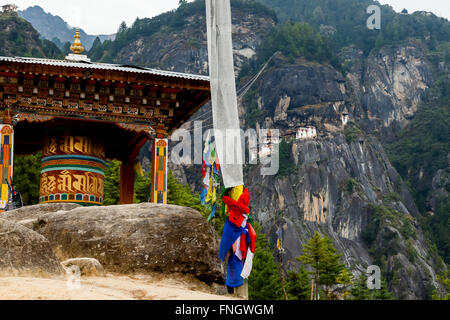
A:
(391, 85)
(185, 50)
(342, 180)
(55, 28)
(337, 188)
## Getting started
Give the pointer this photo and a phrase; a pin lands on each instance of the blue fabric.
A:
(230, 234)
(213, 212)
(203, 196)
(234, 271)
(215, 171)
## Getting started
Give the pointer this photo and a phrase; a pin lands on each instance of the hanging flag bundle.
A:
(239, 237)
(210, 173)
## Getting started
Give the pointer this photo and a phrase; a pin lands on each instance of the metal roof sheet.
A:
(104, 66)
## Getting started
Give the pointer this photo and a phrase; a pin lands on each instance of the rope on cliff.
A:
(244, 89)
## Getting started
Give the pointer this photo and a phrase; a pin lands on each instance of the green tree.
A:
(359, 291)
(320, 254)
(181, 195)
(142, 185)
(264, 282)
(111, 194)
(445, 281)
(27, 170)
(287, 164)
(298, 285)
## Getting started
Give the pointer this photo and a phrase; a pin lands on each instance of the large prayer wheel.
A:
(73, 167)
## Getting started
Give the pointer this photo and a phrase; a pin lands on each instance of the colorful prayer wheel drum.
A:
(72, 169)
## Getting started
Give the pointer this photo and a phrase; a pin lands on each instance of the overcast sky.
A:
(105, 16)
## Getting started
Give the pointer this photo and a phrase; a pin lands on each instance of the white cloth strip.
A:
(248, 265)
(223, 91)
(238, 252)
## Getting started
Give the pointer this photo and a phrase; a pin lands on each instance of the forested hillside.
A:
(19, 38)
(344, 22)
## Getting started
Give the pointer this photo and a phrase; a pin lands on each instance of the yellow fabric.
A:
(211, 189)
(279, 244)
(236, 192)
(214, 196)
(138, 169)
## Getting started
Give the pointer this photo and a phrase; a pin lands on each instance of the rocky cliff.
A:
(390, 86)
(342, 183)
(181, 45)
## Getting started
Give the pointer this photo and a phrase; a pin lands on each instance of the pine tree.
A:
(359, 291)
(26, 178)
(264, 282)
(445, 281)
(298, 285)
(320, 254)
(142, 187)
(111, 194)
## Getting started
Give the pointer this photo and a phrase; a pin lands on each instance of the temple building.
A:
(308, 132)
(9, 9)
(81, 114)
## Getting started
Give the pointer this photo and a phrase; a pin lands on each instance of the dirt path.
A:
(111, 287)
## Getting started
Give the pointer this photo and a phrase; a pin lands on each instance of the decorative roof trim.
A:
(104, 66)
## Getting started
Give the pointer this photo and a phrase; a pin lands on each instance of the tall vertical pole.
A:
(160, 151)
(282, 275)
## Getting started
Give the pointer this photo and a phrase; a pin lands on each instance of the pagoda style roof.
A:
(121, 101)
(104, 66)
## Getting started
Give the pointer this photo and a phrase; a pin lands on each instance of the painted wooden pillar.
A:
(6, 158)
(127, 182)
(160, 151)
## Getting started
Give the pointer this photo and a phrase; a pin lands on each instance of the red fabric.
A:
(243, 247)
(204, 169)
(237, 208)
(252, 235)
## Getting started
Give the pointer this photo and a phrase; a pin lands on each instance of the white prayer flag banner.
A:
(223, 92)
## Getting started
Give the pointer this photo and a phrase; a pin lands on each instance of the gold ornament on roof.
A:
(77, 47)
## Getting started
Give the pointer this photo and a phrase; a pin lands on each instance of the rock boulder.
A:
(88, 267)
(25, 252)
(28, 214)
(136, 238)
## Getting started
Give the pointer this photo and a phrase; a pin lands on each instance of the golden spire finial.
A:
(77, 47)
